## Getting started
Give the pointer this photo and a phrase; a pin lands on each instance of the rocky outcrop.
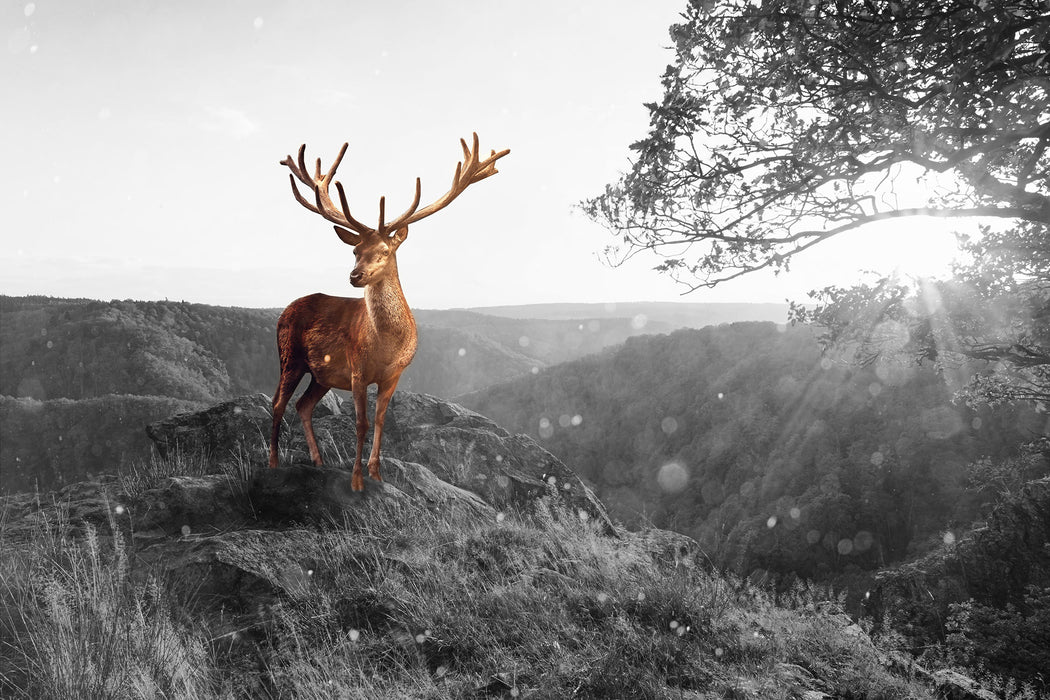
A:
(224, 432)
(239, 538)
(211, 503)
(459, 448)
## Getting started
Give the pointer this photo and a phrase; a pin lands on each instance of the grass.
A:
(415, 604)
(73, 625)
(141, 476)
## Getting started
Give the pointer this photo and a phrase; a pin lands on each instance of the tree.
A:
(990, 323)
(787, 122)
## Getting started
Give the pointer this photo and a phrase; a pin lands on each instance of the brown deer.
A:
(352, 343)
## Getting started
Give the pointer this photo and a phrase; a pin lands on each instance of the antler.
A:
(319, 184)
(469, 171)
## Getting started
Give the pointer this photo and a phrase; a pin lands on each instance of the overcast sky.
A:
(142, 140)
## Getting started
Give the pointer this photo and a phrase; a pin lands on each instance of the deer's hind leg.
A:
(290, 377)
(305, 408)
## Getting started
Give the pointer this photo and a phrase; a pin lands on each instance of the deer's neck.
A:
(388, 309)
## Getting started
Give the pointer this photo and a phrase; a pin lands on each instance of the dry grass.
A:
(74, 625)
(414, 604)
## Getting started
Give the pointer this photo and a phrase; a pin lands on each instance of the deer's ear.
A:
(347, 236)
(399, 236)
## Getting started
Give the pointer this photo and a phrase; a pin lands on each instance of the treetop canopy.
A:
(787, 122)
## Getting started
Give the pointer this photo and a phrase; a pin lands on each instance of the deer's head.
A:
(375, 249)
(375, 256)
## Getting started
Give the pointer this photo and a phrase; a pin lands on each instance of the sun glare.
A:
(916, 247)
(908, 247)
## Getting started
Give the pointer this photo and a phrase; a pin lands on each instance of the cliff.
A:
(480, 567)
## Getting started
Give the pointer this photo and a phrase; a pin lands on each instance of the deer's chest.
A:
(382, 358)
(365, 359)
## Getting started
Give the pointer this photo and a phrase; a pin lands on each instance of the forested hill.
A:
(773, 456)
(77, 349)
(546, 340)
(657, 315)
(80, 348)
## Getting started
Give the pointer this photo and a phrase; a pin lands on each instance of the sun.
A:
(920, 246)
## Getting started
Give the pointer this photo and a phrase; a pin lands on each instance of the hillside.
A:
(81, 348)
(990, 589)
(662, 315)
(48, 444)
(548, 340)
(772, 456)
(76, 349)
(211, 578)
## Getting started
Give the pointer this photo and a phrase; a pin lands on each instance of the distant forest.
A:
(773, 455)
(76, 349)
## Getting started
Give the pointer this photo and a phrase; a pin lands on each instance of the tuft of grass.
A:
(141, 476)
(75, 624)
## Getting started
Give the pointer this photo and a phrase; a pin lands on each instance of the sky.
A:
(143, 140)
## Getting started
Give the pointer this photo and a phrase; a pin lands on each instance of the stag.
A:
(352, 343)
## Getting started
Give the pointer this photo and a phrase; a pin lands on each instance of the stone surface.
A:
(669, 548)
(461, 448)
(227, 431)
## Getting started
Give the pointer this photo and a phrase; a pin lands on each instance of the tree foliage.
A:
(991, 321)
(787, 122)
(1011, 642)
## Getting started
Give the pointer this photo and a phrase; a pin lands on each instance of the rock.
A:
(181, 506)
(949, 685)
(466, 449)
(955, 686)
(670, 548)
(226, 431)
(459, 447)
(329, 405)
(304, 493)
(418, 481)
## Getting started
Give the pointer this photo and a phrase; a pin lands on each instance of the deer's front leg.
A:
(386, 390)
(360, 389)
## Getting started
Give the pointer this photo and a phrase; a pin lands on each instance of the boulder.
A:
(462, 449)
(469, 450)
(224, 432)
(329, 405)
(181, 506)
(304, 493)
(670, 549)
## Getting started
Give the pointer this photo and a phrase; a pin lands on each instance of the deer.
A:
(352, 343)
